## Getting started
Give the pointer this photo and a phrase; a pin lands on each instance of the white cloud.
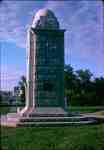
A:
(11, 29)
(14, 19)
(9, 76)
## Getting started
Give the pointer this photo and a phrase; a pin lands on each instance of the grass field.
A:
(4, 110)
(86, 137)
(85, 108)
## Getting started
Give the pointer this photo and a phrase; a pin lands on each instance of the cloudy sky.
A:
(82, 19)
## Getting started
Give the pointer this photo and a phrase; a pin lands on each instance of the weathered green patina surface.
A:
(49, 61)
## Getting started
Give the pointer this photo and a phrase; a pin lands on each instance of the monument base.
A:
(45, 111)
(45, 116)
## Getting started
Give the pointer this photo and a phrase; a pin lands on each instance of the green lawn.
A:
(86, 137)
(85, 108)
(4, 110)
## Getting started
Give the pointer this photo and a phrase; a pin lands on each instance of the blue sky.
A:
(83, 21)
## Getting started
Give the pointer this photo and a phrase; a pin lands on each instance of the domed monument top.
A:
(45, 19)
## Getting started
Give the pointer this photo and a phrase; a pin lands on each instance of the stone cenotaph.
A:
(45, 65)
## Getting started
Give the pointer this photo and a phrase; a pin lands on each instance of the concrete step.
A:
(58, 123)
(54, 119)
(50, 115)
(44, 115)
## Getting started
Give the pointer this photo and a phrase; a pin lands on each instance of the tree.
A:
(69, 76)
(22, 88)
(99, 89)
(84, 75)
(71, 84)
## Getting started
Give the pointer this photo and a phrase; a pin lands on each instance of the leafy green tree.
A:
(22, 88)
(99, 90)
(69, 76)
(71, 84)
(84, 75)
(81, 90)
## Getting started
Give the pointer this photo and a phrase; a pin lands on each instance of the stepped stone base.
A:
(44, 117)
(52, 117)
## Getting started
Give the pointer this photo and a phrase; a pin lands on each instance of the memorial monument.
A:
(45, 67)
